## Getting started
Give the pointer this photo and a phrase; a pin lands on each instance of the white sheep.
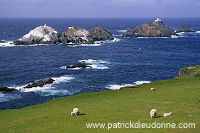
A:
(153, 89)
(72, 113)
(153, 113)
(167, 114)
(75, 111)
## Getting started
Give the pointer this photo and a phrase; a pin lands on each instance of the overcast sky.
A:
(99, 8)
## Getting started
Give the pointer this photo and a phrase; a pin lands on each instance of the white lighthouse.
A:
(158, 20)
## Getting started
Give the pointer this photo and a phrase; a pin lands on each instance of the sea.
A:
(118, 63)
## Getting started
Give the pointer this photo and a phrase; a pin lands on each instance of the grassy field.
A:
(179, 96)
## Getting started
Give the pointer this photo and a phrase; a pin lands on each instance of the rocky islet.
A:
(155, 29)
(74, 35)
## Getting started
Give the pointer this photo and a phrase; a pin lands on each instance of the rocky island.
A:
(155, 29)
(40, 35)
(184, 28)
(74, 35)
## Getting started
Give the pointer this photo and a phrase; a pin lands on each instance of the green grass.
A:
(181, 97)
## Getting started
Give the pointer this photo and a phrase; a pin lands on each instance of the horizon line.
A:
(95, 17)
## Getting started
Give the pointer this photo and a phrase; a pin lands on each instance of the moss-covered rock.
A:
(189, 72)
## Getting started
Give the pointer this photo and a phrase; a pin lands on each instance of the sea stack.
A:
(155, 29)
(40, 35)
(184, 28)
(100, 34)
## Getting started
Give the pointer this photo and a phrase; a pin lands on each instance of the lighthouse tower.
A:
(158, 20)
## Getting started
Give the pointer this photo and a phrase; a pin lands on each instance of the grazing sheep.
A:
(153, 113)
(72, 113)
(76, 111)
(167, 114)
(153, 89)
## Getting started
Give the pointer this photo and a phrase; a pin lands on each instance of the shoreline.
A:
(110, 106)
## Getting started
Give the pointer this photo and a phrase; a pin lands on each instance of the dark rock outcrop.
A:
(40, 83)
(79, 66)
(129, 33)
(6, 89)
(184, 28)
(40, 35)
(100, 34)
(76, 35)
(155, 29)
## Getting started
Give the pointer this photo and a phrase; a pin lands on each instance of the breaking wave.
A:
(117, 87)
(7, 44)
(121, 31)
(4, 97)
(94, 64)
(50, 89)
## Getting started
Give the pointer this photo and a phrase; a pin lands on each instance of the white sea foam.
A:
(11, 44)
(8, 96)
(49, 89)
(174, 36)
(92, 45)
(117, 87)
(121, 30)
(95, 64)
(65, 78)
(153, 37)
(197, 31)
(141, 82)
(91, 61)
(98, 66)
(7, 44)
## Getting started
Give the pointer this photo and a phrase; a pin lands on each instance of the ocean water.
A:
(125, 61)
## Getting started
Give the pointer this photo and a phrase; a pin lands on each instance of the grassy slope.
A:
(182, 97)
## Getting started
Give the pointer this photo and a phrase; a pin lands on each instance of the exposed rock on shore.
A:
(40, 83)
(39, 35)
(6, 89)
(79, 66)
(184, 28)
(76, 35)
(100, 34)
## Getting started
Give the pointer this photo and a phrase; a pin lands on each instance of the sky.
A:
(99, 8)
